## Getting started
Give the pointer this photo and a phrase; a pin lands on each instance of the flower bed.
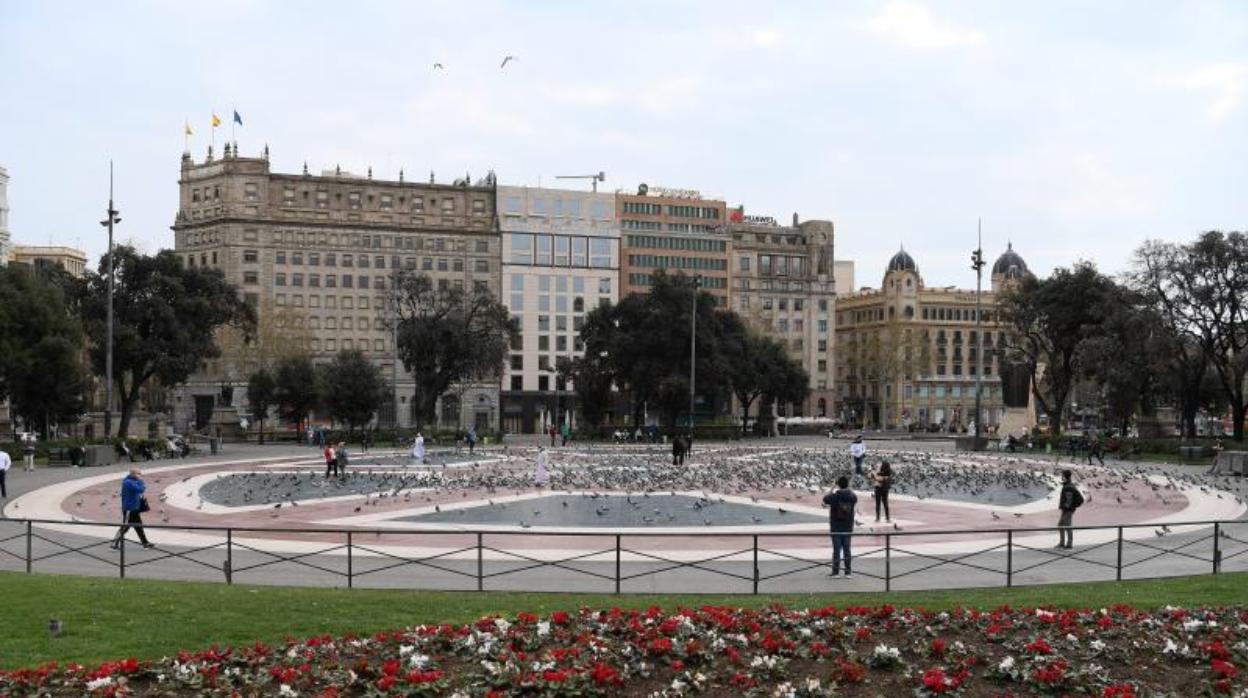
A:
(1117, 652)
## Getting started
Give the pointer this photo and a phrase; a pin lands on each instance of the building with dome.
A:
(908, 354)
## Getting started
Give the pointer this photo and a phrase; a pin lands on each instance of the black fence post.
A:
(480, 562)
(755, 564)
(1118, 564)
(350, 563)
(121, 559)
(1009, 558)
(29, 539)
(617, 563)
(229, 556)
(888, 562)
(1217, 550)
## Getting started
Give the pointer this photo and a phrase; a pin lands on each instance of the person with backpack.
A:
(883, 482)
(841, 504)
(1068, 501)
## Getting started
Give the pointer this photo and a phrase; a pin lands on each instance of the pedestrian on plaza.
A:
(343, 457)
(553, 431)
(883, 482)
(1068, 501)
(133, 504)
(1096, 449)
(678, 450)
(566, 432)
(28, 450)
(418, 448)
(841, 504)
(858, 450)
(472, 439)
(368, 439)
(331, 462)
(5, 463)
(541, 476)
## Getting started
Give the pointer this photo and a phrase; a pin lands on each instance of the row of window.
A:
(673, 262)
(517, 303)
(331, 302)
(708, 282)
(558, 283)
(669, 243)
(777, 265)
(550, 206)
(302, 238)
(799, 324)
(645, 208)
(560, 250)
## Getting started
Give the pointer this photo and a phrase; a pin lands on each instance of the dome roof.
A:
(902, 261)
(1009, 264)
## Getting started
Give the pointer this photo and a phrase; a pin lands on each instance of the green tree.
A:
(758, 367)
(592, 384)
(297, 390)
(353, 389)
(166, 317)
(1049, 320)
(447, 335)
(1201, 289)
(41, 348)
(261, 396)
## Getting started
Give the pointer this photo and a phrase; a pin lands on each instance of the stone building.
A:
(561, 259)
(70, 259)
(908, 354)
(676, 230)
(4, 216)
(316, 253)
(784, 284)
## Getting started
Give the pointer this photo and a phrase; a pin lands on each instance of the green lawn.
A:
(111, 619)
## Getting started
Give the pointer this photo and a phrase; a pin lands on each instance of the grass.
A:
(113, 619)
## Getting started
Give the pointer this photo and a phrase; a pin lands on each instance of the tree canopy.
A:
(352, 389)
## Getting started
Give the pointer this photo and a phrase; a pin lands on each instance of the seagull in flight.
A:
(438, 66)
(506, 60)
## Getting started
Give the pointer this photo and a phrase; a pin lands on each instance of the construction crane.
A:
(596, 178)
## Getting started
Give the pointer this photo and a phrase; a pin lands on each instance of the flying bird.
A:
(438, 66)
(506, 60)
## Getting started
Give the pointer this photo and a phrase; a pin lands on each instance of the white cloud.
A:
(1092, 187)
(766, 38)
(1225, 85)
(913, 26)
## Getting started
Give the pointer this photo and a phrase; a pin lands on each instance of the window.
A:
(481, 266)
(483, 246)
(296, 279)
(251, 256)
(296, 258)
(544, 246)
(543, 343)
(347, 281)
(511, 204)
(604, 286)
(314, 259)
(322, 199)
(448, 205)
(279, 258)
(251, 277)
(764, 264)
(599, 252)
(478, 206)
(279, 279)
(543, 323)
(251, 191)
(457, 264)
(517, 382)
(517, 362)
(579, 256)
(745, 264)
(363, 263)
(353, 200)
(387, 202)
(521, 248)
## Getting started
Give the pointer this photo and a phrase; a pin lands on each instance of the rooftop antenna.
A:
(594, 178)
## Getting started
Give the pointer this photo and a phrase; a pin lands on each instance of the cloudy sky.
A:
(1074, 129)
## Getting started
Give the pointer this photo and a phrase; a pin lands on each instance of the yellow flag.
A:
(189, 132)
(216, 121)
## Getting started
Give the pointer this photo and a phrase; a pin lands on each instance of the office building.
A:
(71, 260)
(676, 230)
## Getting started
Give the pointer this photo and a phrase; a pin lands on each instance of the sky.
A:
(1074, 130)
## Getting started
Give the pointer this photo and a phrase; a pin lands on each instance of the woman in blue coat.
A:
(132, 489)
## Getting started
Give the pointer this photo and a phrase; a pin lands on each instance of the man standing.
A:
(841, 507)
(472, 439)
(28, 450)
(678, 450)
(418, 449)
(331, 461)
(132, 505)
(1095, 449)
(858, 450)
(5, 463)
(566, 432)
(541, 476)
(1069, 500)
(341, 455)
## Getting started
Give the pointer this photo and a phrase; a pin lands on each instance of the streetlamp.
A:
(977, 263)
(693, 351)
(113, 219)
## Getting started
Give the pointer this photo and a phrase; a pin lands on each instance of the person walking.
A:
(858, 451)
(553, 431)
(1068, 501)
(418, 448)
(883, 482)
(541, 476)
(331, 462)
(28, 450)
(341, 455)
(368, 440)
(678, 450)
(566, 432)
(5, 463)
(133, 504)
(841, 504)
(472, 439)
(1096, 449)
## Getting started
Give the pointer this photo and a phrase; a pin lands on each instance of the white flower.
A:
(286, 690)
(1070, 637)
(1097, 646)
(405, 650)
(806, 632)
(501, 624)
(1170, 647)
(543, 628)
(679, 686)
(1006, 664)
(784, 690)
(1191, 625)
(885, 652)
(812, 685)
(99, 683)
(420, 660)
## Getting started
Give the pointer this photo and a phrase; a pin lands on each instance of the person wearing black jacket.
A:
(1068, 501)
(841, 505)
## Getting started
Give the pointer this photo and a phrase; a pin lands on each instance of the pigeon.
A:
(506, 60)
(438, 66)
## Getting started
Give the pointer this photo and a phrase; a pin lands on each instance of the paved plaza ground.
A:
(737, 517)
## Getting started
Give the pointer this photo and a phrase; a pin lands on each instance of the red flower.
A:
(560, 618)
(1119, 690)
(851, 672)
(678, 665)
(555, 676)
(419, 677)
(862, 633)
(935, 680)
(604, 674)
(742, 680)
(660, 645)
(1040, 646)
(1223, 669)
(385, 683)
(1051, 673)
(938, 648)
(390, 667)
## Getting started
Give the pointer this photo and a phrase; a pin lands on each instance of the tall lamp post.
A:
(977, 263)
(113, 219)
(693, 350)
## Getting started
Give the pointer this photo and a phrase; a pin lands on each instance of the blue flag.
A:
(238, 119)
